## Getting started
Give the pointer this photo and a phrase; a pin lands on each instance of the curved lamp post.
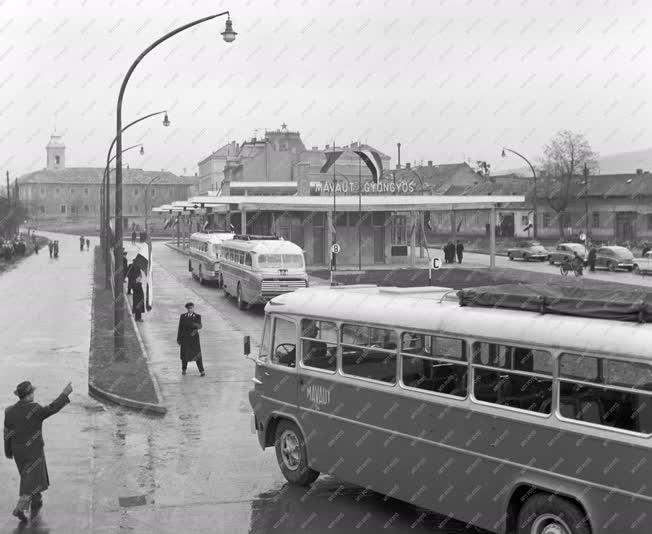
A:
(118, 309)
(105, 201)
(536, 191)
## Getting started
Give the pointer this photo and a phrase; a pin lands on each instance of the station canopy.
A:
(343, 203)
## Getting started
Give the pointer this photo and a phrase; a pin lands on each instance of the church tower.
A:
(56, 153)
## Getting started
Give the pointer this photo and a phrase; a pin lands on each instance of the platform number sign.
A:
(436, 263)
(335, 248)
(582, 236)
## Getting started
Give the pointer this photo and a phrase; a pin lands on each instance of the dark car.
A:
(614, 258)
(528, 250)
(566, 251)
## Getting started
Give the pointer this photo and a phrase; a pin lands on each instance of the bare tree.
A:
(564, 159)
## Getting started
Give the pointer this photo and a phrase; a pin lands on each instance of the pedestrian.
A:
(646, 249)
(133, 272)
(188, 339)
(460, 251)
(125, 266)
(81, 243)
(23, 437)
(445, 250)
(50, 247)
(138, 301)
(55, 248)
(88, 243)
(133, 237)
(591, 258)
(451, 252)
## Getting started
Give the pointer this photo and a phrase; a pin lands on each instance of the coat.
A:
(139, 297)
(188, 337)
(23, 437)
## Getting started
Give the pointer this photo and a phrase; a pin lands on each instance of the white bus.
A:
(514, 421)
(256, 269)
(204, 256)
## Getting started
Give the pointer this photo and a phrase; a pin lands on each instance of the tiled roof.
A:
(93, 175)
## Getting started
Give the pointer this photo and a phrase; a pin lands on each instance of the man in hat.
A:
(188, 339)
(23, 437)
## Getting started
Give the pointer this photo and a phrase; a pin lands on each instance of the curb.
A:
(152, 376)
(99, 394)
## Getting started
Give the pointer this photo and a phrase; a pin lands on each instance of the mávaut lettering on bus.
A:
(318, 395)
(402, 187)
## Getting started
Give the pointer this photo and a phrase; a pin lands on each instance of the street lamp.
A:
(118, 309)
(105, 201)
(535, 224)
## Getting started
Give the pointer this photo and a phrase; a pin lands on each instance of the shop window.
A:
(62, 208)
(546, 219)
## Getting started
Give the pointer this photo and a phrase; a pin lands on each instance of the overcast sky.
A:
(449, 79)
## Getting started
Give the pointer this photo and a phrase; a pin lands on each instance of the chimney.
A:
(398, 165)
(407, 165)
(429, 163)
(639, 171)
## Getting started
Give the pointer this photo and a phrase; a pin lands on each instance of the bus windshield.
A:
(280, 261)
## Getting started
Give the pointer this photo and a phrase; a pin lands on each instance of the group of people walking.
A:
(451, 250)
(84, 241)
(53, 247)
(134, 277)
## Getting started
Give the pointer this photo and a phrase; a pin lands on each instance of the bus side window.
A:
(285, 343)
(319, 344)
(248, 259)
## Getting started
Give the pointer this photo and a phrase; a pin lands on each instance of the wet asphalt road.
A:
(198, 469)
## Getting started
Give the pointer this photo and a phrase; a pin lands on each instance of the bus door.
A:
(279, 375)
(318, 388)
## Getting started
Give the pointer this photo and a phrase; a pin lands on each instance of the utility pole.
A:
(586, 204)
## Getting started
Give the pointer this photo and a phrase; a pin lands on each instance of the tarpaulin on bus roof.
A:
(628, 305)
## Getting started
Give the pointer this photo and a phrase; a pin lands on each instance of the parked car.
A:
(643, 265)
(614, 258)
(567, 251)
(528, 250)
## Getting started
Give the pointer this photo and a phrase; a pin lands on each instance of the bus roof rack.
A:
(253, 237)
(621, 305)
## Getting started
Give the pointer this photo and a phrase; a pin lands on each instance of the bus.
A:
(256, 269)
(204, 256)
(478, 414)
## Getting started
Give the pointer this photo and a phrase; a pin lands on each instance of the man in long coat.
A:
(23, 438)
(188, 339)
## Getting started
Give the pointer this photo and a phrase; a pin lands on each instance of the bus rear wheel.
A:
(292, 455)
(548, 514)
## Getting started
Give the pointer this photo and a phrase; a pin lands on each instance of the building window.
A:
(42, 209)
(63, 208)
(476, 219)
(86, 208)
(56, 191)
(42, 191)
(57, 160)
(525, 220)
(135, 191)
(595, 223)
(72, 190)
(86, 190)
(546, 219)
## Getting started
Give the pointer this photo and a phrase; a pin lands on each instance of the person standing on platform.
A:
(188, 339)
(88, 244)
(133, 237)
(50, 247)
(81, 243)
(55, 248)
(459, 248)
(23, 438)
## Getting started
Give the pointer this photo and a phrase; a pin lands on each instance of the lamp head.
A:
(166, 121)
(228, 34)
(142, 150)
(503, 153)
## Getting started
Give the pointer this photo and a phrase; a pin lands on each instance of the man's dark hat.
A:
(189, 304)
(124, 252)
(23, 389)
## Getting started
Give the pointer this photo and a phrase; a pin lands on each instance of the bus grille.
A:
(276, 287)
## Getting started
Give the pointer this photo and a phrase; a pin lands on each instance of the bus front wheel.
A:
(292, 455)
(544, 513)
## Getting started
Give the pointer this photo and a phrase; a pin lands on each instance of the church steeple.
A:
(56, 153)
